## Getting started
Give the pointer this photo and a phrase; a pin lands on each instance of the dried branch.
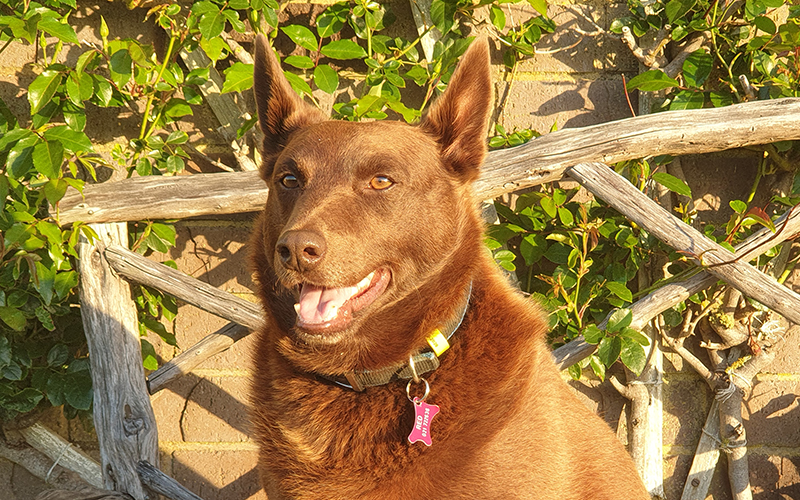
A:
(693, 44)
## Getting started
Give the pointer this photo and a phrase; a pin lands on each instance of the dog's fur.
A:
(509, 427)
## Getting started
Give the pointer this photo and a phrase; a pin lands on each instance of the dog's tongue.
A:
(319, 305)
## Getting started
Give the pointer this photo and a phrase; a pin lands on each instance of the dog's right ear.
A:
(280, 110)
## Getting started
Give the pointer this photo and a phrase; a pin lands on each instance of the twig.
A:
(238, 51)
(207, 158)
(749, 90)
(698, 366)
(676, 65)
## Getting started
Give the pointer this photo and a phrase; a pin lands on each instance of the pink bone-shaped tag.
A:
(423, 415)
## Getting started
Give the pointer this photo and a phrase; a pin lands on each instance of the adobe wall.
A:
(203, 427)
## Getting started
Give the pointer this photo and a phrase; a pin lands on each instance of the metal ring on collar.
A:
(427, 390)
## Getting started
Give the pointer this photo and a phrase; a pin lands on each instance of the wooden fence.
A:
(124, 418)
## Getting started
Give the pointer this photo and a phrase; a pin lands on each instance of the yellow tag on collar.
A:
(438, 342)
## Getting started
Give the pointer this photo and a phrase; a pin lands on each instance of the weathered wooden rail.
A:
(123, 415)
(542, 160)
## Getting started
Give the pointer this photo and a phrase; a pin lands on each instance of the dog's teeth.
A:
(297, 308)
(366, 281)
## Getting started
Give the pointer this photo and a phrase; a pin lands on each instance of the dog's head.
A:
(370, 229)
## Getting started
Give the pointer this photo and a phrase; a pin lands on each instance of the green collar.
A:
(425, 361)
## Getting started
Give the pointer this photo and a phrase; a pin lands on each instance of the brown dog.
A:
(371, 245)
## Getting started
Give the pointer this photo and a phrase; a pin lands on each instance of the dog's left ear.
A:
(459, 118)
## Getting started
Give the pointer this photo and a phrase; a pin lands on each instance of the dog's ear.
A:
(459, 118)
(280, 110)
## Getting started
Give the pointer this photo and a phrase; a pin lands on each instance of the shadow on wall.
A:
(776, 424)
(217, 466)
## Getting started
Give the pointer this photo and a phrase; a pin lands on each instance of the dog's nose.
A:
(300, 250)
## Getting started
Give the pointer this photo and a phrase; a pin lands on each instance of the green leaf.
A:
(343, 49)
(13, 317)
(558, 253)
(634, 336)
(672, 183)
(177, 137)
(497, 17)
(63, 32)
(78, 389)
(103, 90)
(326, 78)
(74, 142)
(633, 356)
(652, 80)
(46, 281)
(48, 156)
(763, 23)
(238, 77)
(301, 62)
(165, 231)
(621, 318)
(443, 15)
(5, 351)
(593, 335)
(608, 350)
(246, 126)
(12, 372)
(177, 108)
(539, 5)
(149, 360)
(42, 89)
(532, 248)
(198, 76)
(84, 60)
(575, 371)
(64, 283)
(549, 207)
(214, 48)
(721, 99)
(332, 19)
(212, 24)
(233, 18)
(20, 158)
(620, 290)
(58, 356)
(686, 99)
(55, 189)
(121, 67)
(175, 164)
(566, 217)
(676, 9)
(598, 367)
(302, 36)
(738, 206)
(298, 84)
(697, 67)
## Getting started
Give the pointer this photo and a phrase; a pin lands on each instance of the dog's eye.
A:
(289, 181)
(381, 182)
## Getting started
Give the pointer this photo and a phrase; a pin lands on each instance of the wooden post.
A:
(705, 458)
(123, 417)
(651, 464)
(64, 453)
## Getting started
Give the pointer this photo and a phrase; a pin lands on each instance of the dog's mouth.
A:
(323, 310)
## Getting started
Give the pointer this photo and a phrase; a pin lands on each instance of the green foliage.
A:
(580, 261)
(750, 54)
